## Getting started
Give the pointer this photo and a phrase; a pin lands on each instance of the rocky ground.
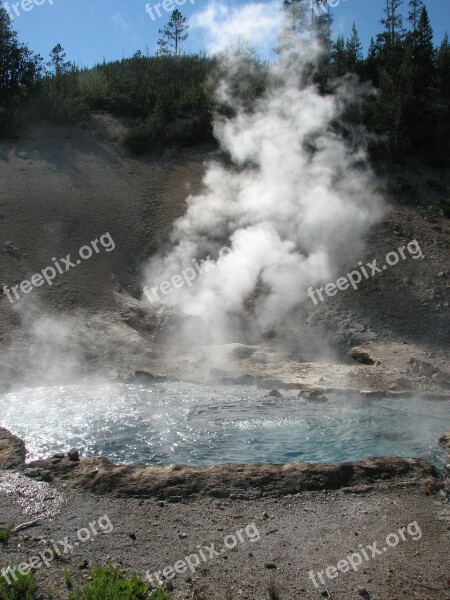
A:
(239, 532)
(62, 188)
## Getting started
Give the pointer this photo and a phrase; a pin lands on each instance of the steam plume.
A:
(292, 206)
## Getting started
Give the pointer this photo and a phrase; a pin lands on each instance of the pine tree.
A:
(174, 35)
(393, 36)
(19, 73)
(372, 63)
(321, 33)
(297, 15)
(57, 63)
(59, 67)
(443, 67)
(354, 51)
(421, 116)
(339, 58)
(416, 7)
(442, 142)
(425, 47)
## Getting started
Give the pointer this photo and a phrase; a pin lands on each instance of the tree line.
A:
(170, 96)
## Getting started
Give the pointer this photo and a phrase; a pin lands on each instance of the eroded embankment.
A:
(178, 482)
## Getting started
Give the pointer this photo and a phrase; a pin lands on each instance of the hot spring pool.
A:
(177, 422)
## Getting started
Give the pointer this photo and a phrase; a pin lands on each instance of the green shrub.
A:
(22, 587)
(4, 535)
(68, 579)
(109, 583)
(146, 135)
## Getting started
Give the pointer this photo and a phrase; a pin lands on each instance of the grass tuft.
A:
(22, 587)
(274, 592)
(4, 535)
(109, 583)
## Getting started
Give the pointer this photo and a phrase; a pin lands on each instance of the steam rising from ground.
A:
(292, 206)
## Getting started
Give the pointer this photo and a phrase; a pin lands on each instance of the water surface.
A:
(177, 422)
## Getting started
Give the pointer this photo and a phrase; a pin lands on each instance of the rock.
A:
(132, 536)
(427, 369)
(59, 455)
(84, 565)
(363, 592)
(362, 338)
(32, 473)
(444, 441)
(403, 383)
(46, 476)
(313, 396)
(270, 566)
(440, 378)
(144, 377)
(420, 367)
(377, 394)
(73, 455)
(265, 515)
(242, 351)
(182, 536)
(12, 450)
(361, 356)
(275, 394)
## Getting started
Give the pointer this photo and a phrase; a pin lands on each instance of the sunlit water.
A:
(169, 423)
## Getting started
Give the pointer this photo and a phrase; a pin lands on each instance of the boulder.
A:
(420, 367)
(313, 396)
(73, 455)
(441, 379)
(403, 383)
(275, 394)
(12, 450)
(32, 473)
(375, 394)
(144, 377)
(444, 441)
(241, 351)
(361, 356)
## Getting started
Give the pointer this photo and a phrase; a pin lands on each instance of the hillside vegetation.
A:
(170, 97)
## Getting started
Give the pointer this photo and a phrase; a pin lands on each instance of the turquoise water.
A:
(178, 422)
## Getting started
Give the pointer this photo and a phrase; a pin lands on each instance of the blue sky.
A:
(91, 30)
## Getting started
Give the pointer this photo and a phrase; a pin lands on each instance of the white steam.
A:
(292, 207)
